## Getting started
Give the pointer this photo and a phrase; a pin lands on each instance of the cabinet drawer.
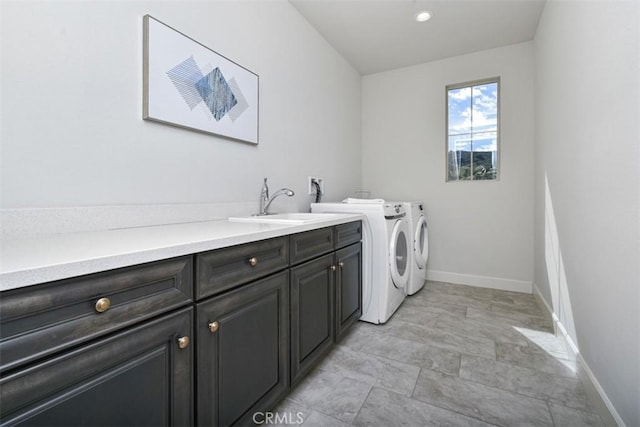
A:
(310, 244)
(226, 268)
(346, 234)
(39, 320)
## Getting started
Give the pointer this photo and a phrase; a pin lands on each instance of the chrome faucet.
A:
(265, 200)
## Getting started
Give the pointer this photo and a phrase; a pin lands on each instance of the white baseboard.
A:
(536, 293)
(480, 281)
(594, 390)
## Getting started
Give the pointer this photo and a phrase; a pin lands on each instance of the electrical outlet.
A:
(312, 188)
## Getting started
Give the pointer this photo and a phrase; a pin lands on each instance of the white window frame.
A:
(471, 84)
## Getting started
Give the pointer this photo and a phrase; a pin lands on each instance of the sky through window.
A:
(472, 131)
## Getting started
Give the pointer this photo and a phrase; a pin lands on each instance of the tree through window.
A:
(472, 130)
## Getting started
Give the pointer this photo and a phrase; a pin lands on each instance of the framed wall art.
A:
(186, 84)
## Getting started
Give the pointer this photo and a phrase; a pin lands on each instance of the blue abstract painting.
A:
(191, 86)
(216, 93)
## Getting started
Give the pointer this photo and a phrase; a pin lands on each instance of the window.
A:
(472, 130)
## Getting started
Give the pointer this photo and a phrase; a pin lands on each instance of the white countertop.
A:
(34, 260)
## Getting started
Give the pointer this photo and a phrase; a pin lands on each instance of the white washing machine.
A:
(386, 255)
(419, 234)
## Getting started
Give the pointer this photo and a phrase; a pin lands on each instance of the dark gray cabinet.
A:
(243, 351)
(326, 293)
(141, 376)
(38, 321)
(346, 234)
(348, 288)
(111, 348)
(207, 339)
(310, 244)
(312, 313)
(223, 269)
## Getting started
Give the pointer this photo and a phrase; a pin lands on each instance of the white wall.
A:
(72, 128)
(587, 149)
(480, 232)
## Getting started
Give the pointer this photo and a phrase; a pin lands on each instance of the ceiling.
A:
(381, 35)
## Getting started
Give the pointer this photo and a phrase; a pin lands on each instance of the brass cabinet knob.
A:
(253, 261)
(341, 264)
(213, 326)
(183, 342)
(103, 305)
(333, 268)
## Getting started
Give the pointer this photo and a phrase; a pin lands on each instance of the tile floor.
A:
(452, 355)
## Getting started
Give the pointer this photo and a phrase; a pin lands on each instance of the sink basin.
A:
(285, 218)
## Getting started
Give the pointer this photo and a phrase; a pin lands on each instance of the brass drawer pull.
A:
(213, 326)
(253, 261)
(103, 305)
(183, 342)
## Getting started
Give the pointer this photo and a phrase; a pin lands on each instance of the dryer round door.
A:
(399, 254)
(421, 243)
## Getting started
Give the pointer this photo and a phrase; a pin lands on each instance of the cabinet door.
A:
(348, 288)
(312, 314)
(138, 377)
(242, 353)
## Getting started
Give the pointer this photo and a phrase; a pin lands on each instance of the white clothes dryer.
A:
(419, 233)
(385, 255)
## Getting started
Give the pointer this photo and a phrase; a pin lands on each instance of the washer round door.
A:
(399, 254)
(421, 243)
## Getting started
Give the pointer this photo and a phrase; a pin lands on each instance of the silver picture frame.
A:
(188, 85)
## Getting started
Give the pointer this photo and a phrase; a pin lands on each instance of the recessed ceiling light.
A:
(423, 16)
